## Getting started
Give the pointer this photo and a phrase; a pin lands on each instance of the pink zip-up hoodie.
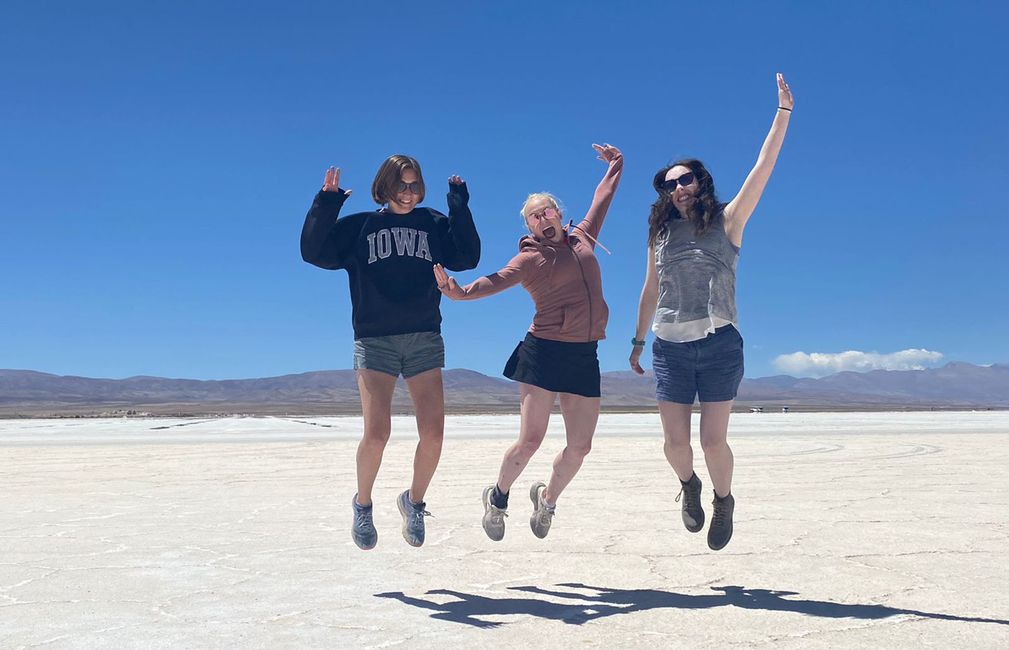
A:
(563, 278)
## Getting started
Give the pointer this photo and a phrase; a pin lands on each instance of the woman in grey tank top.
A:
(689, 302)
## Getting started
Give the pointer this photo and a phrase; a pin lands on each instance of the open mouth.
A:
(548, 232)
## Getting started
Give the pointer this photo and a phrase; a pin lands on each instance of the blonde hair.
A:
(540, 195)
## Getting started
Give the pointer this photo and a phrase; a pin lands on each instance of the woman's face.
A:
(404, 200)
(543, 219)
(684, 192)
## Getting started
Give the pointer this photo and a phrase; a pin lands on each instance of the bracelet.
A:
(636, 343)
(782, 108)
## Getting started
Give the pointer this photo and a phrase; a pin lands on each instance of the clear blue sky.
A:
(157, 160)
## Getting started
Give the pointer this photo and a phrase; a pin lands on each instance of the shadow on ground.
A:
(600, 602)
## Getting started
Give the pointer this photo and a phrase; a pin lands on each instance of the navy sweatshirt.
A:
(388, 258)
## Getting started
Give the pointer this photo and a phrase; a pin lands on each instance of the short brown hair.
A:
(384, 186)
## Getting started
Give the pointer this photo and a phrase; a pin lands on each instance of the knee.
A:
(677, 444)
(526, 448)
(714, 445)
(433, 435)
(580, 449)
(376, 435)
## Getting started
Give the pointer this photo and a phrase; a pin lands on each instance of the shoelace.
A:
(364, 519)
(718, 518)
(419, 513)
(683, 491)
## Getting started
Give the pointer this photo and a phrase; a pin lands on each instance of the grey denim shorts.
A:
(400, 354)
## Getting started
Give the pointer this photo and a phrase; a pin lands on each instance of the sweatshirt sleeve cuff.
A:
(331, 198)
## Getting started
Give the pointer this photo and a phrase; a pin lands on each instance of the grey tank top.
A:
(697, 281)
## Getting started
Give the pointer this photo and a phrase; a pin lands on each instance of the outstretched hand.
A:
(332, 181)
(455, 179)
(607, 152)
(447, 284)
(635, 358)
(785, 99)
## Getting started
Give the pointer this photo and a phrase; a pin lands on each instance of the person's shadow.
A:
(468, 607)
(599, 602)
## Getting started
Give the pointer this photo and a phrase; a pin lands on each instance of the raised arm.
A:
(593, 221)
(512, 274)
(738, 211)
(326, 240)
(646, 310)
(460, 241)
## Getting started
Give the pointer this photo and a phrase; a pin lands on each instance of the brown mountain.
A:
(25, 392)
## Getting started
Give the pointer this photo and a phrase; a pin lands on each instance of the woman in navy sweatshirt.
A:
(388, 255)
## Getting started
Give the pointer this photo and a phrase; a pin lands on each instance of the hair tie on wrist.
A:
(782, 108)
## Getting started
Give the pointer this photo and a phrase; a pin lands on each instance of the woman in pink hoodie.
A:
(556, 264)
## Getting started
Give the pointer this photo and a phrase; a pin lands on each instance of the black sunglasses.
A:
(670, 185)
(414, 187)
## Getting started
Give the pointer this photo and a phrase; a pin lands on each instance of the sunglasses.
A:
(670, 185)
(546, 213)
(414, 187)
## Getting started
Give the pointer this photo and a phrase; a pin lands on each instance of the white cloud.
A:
(820, 364)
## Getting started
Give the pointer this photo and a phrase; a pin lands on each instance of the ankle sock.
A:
(499, 498)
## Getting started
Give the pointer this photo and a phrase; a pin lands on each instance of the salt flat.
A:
(852, 530)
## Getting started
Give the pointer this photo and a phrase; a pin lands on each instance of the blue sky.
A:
(158, 159)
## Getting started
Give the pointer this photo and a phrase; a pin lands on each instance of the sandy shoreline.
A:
(863, 530)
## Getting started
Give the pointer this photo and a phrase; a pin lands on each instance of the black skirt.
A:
(556, 366)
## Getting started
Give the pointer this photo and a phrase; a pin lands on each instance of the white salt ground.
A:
(851, 530)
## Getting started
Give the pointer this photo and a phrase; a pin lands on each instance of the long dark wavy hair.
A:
(702, 213)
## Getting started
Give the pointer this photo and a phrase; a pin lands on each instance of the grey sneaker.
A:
(493, 517)
(543, 514)
(363, 531)
(413, 519)
(720, 531)
(691, 510)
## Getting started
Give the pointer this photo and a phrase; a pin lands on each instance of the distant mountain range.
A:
(25, 392)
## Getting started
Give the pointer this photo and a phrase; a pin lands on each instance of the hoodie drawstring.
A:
(596, 241)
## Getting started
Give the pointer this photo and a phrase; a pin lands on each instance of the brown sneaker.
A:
(720, 531)
(691, 510)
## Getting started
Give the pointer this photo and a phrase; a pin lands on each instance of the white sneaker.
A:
(543, 514)
(493, 517)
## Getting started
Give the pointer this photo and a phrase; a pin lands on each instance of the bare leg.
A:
(376, 404)
(717, 455)
(580, 417)
(429, 405)
(676, 427)
(536, 405)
